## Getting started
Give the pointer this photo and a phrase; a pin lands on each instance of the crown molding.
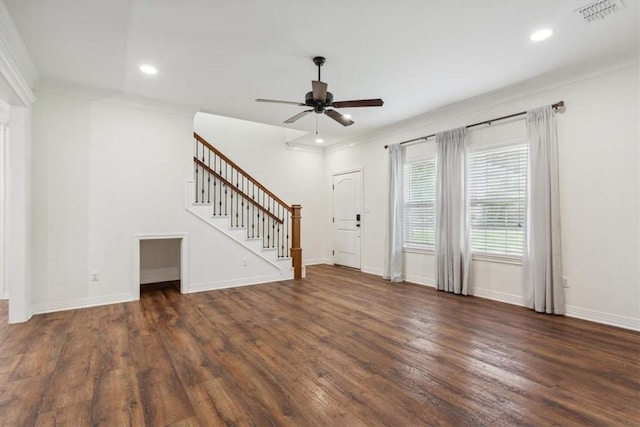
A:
(415, 126)
(16, 66)
(74, 90)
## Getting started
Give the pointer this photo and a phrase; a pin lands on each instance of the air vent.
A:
(599, 9)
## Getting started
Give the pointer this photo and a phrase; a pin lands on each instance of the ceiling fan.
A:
(319, 99)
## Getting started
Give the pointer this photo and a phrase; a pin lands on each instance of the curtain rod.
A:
(557, 105)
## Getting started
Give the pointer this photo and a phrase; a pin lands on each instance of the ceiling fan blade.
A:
(319, 90)
(339, 117)
(297, 116)
(359, 103)
(280, 102)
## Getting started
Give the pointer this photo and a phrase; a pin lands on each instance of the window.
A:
(497, 195)
(497, 198)
(420, 203)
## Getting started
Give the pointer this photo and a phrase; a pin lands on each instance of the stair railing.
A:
(234, 193)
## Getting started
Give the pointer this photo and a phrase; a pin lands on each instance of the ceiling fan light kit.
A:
(320, 101)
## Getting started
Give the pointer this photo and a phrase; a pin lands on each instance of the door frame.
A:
(333, 209)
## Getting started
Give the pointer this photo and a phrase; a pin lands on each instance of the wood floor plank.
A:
(72, 380)
(78, 414)
(338, 348)
(163, 397)
(116, 400)
(212, 402)
(20, 399)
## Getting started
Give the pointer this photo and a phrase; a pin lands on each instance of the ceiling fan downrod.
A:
(319, 61)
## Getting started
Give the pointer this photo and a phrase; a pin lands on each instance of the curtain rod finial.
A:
(559, 106)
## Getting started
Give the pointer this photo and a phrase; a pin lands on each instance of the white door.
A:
(347, 218)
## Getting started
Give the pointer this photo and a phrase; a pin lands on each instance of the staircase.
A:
(232, 201)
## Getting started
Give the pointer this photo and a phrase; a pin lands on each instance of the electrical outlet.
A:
(565, 281)
(244, 262)
(95, 276)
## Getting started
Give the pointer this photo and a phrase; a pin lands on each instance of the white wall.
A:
(103, 172)
(599, 179)
(373, 160)
(296, 176)
(18, 213)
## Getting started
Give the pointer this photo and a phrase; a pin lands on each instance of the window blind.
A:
(497, 194)
(419, 203)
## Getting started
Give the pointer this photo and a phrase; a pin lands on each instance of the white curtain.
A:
(453, 253)
(395, 228)
(542, 261)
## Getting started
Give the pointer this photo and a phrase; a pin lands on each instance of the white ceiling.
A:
(220, 55)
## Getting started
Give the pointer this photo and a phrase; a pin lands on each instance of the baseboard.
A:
(625, 322)
(156, 275)
(611, 319)
(77, 303)
(498, 296)
(235, 283)
(617, 320)
(419, 280)
(316, 261)
(371, 270)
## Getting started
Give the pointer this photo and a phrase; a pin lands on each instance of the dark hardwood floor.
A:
(339, 348)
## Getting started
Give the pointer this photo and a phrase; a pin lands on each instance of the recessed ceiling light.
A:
(148, 69)
(319, 140)
(540, 35)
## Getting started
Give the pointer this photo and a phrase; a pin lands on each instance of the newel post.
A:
(296, 250)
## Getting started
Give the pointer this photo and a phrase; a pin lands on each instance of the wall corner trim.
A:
(16, 65)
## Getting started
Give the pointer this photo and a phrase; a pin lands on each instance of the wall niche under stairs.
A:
(160, 261)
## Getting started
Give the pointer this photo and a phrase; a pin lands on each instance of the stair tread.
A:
(210, 212)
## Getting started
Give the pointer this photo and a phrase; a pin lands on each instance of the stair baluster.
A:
(255, 207)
